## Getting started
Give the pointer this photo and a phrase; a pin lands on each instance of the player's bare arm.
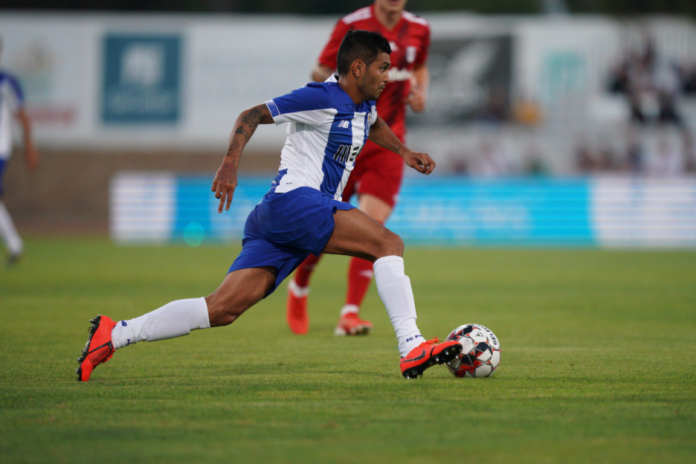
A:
(321, 72)
(418, 96)
(382, 135)
(226, 177)
(31, 155)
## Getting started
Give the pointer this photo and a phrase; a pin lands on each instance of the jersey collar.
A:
(382, 26)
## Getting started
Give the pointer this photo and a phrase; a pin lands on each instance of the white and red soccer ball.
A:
(480, 355)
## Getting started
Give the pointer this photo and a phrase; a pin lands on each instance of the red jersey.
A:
(409, 41)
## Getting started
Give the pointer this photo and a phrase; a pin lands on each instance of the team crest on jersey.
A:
(369, 120)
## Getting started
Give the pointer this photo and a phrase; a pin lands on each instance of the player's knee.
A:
(398, 246)
(392, 245)
(221, 311)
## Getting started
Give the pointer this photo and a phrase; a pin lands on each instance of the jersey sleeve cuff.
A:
(275, 112)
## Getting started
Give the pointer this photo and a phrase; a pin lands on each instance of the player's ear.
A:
(358, 68)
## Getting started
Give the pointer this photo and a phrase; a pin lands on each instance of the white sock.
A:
(297, 290)
(394, 288)
(9, 233)
(174, 319)
(348, 309)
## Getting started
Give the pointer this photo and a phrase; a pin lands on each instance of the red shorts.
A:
(377, 172)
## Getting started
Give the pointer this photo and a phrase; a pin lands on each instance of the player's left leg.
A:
(239, 291)
(8, 232)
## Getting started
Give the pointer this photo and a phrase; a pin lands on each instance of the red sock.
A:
(304, 270)
(359, 278)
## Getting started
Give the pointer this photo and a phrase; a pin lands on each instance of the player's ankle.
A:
(297, 290)
(349, 309)
(121, 335)
(410, 342)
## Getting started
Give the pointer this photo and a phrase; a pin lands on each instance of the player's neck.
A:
(388, 19)
(351, 89)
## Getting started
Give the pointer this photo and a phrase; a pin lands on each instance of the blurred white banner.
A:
(179, 81)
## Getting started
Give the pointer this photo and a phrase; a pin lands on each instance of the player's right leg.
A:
(360, 274)
(356, 234)
(377, 191)
(240, 290)
(9, 234)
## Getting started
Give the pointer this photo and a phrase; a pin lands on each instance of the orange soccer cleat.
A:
(98, 349)
(297, 308)
(428, 354)
(351, 324)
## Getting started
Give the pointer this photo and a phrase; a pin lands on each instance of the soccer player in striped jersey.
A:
(376, 178)
(328, 124)
(11, 107)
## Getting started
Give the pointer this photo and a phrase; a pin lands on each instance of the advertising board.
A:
(451, 211)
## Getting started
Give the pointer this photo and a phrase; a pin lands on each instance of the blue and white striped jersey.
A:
(326, 133)
(11, 99)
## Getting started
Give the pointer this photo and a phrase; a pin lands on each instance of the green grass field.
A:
(598, 363)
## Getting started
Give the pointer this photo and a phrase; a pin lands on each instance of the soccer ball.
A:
(480, 355)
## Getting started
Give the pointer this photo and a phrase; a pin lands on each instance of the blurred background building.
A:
(552, 121)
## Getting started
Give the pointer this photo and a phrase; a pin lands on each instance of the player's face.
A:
(391, 6)
(376, 77)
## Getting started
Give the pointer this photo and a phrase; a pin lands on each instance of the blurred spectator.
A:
(667, 160)
(635, 155)
(689, 78)
(491, 160)
(618, 80)
(535, 165)
(459, 165)
(588, 160)
(668, 86)
(689, 153)
(651, 86)
(526, 111)
(494, 110)
(607, 158)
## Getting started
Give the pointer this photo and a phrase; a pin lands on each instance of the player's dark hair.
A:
(360, 45)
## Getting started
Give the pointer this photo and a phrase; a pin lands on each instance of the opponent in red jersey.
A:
(376, 178)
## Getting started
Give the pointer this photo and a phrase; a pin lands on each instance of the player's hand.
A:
(416, 99)
(224, 184)
(421, 162)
